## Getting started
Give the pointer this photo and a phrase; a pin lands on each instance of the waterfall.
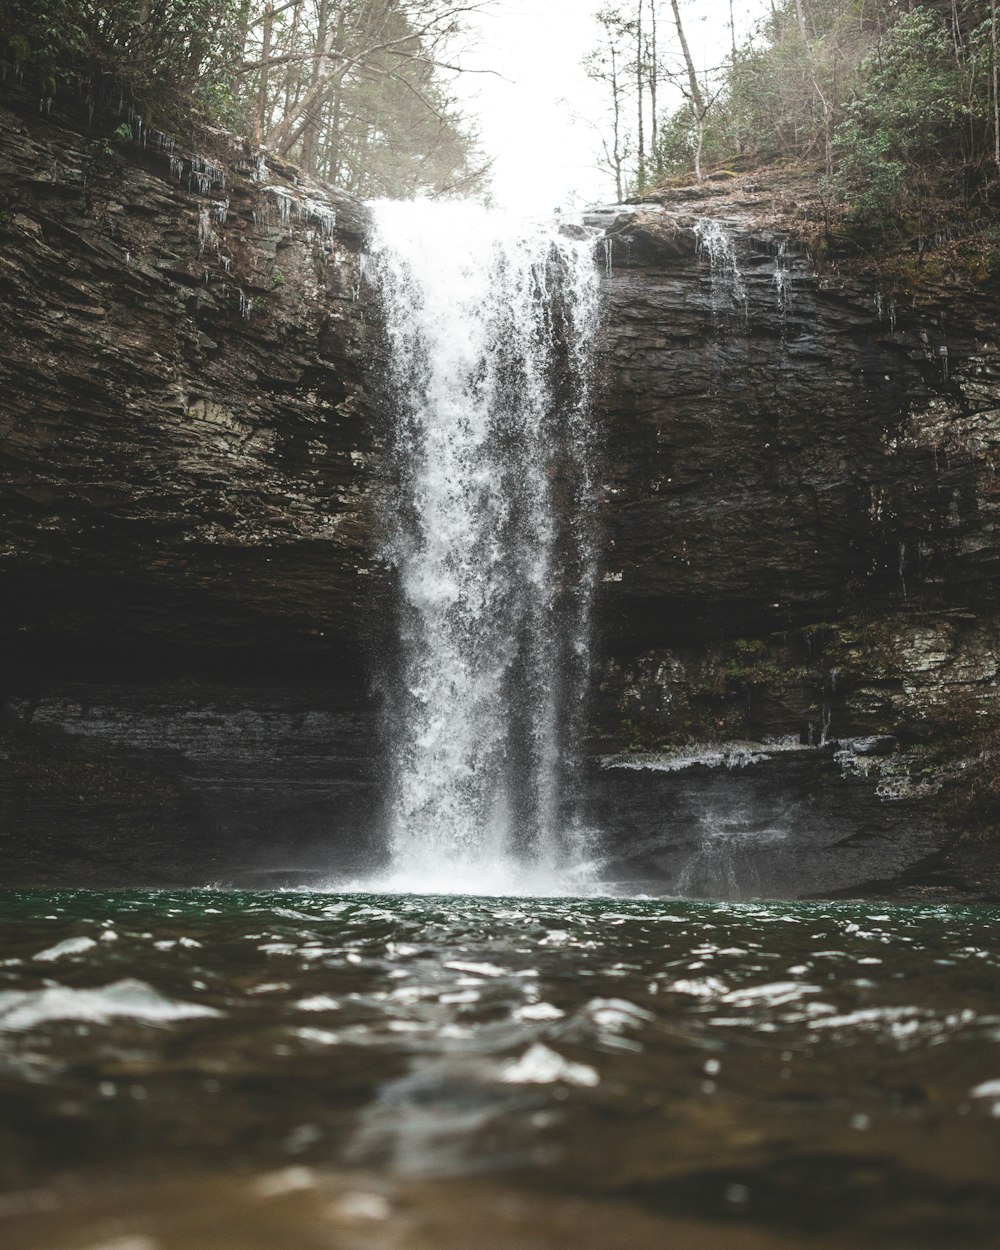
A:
(488, 513)
(718, 243)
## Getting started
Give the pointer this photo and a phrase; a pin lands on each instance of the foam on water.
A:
(128, 998)
(488, 324)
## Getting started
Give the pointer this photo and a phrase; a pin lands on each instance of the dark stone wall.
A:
(774, 458)
(799, 505)
(184, 430)
(190, 609)
(801, 500)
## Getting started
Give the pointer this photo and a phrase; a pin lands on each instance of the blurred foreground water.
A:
(213, 1070)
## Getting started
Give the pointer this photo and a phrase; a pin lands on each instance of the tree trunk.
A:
(996, 77)
(641, 173)
(291, 77)
(697, 98)
(800, 17)
(732, 31)
(654, 72)
(260, 129)
(310, 132)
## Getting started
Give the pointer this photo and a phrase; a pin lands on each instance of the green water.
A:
(208, 1069)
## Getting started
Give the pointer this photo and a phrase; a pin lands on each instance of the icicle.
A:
(324, 215)
(204, 174)
(283, 199)
(206, 234)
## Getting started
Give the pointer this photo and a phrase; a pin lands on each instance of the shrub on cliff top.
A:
(172, 56)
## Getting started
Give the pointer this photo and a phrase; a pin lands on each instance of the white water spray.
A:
(489, 322)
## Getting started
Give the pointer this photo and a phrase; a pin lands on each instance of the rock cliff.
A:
(184, 427)
(801, 499)
(799, 505)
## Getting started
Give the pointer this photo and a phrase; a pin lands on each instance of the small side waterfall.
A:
(489, 529)
(729, 289)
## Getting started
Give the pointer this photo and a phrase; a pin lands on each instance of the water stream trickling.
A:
(488, 327)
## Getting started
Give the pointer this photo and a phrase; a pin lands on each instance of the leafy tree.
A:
(353, 90)
(899, 103)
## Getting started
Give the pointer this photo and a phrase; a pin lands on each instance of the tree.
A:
(698, 100)
(606, 65)
(900, 101)
(630, 61)
(342, 84)
(908, 107)
(349, 89)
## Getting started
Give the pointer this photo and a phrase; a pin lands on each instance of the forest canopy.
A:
(894, 102)
(353, 91)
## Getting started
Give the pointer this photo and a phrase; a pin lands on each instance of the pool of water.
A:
(237, 1070)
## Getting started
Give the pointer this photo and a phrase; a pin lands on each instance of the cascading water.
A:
(729, 290)
(489, 511)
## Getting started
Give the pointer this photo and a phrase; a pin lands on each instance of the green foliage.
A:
(44, 38)
(676, 143)
(749, 666)
(893, 101)
(868, 176)
(167, 55)
(350, 92)
(905, 116)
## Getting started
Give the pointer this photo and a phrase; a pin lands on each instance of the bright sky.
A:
(541, 119)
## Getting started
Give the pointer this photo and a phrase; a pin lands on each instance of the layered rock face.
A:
(801, 486)
(799, 509)
(184, 426)
(186, 555)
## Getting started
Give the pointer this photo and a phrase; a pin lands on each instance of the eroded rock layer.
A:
(802, 503)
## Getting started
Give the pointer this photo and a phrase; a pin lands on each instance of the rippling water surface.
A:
(187, 1070)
